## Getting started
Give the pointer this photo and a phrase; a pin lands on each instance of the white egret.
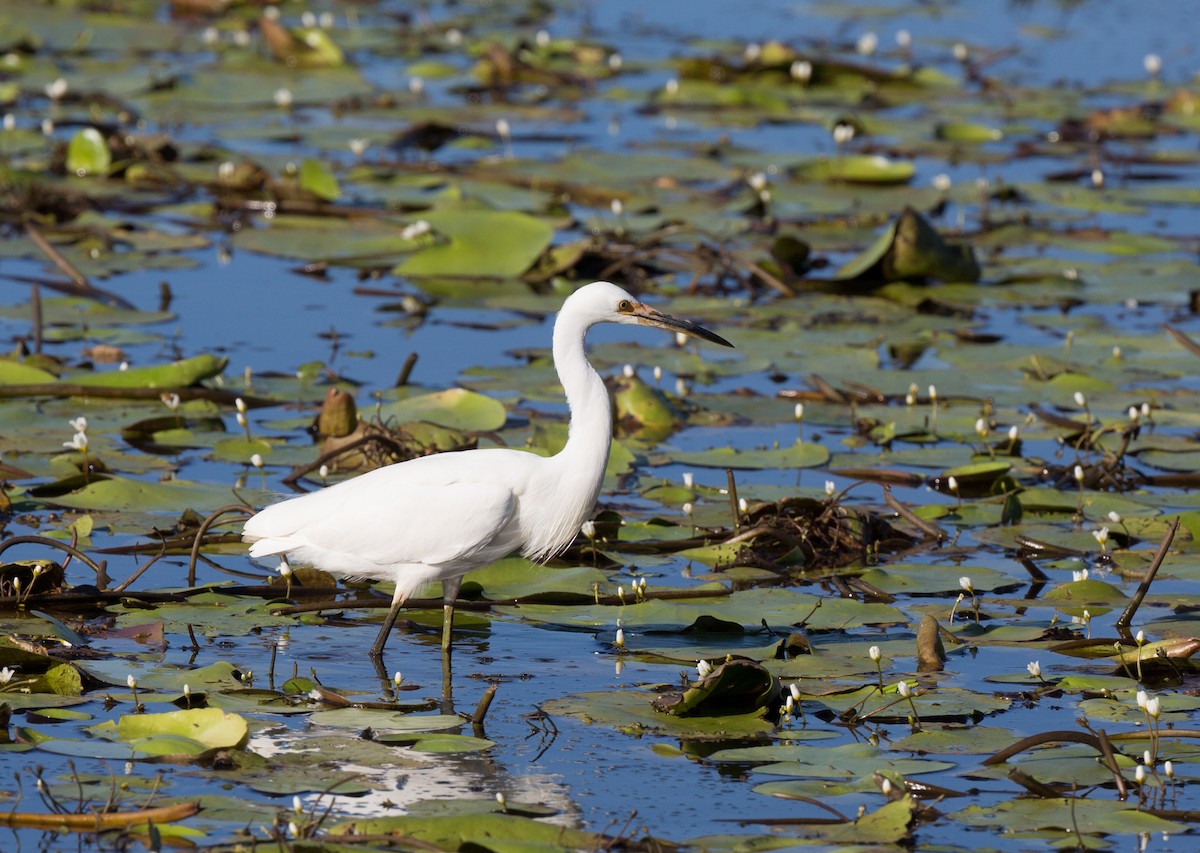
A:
(437, 517)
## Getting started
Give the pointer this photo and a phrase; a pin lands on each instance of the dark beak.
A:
(650, 317)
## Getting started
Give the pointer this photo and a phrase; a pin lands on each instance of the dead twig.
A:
(1160, 555)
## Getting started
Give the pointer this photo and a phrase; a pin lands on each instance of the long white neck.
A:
(569, 482)
(590, 433)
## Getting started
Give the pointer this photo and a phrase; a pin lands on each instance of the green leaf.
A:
(479, 244)
(456, 408)
(177, 374)
(317, 178)
(88, 154)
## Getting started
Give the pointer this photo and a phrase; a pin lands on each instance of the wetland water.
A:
(1070, 172)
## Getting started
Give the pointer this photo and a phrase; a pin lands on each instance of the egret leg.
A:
(389, 623)
(450, 588)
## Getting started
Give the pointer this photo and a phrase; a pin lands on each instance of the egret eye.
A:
(624, 306)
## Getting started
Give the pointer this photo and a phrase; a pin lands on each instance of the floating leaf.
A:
(479, 244)
(88, 154)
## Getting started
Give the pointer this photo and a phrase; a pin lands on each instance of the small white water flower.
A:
(1013, 432)
(874, 653)
(671, 87)
(703, 668)
(961, 52)
(1035, 668)
(256, 460)
(794, 690)
(187, 690)
(830, 487)
(1152, 62)
(323, 472)
(867, 43)
(628, 371)
(798, 412)
(415, 229)
(171, 401)
(942, 182)
(933, 393)
(620, 639)
(1101, 536)
(79, 424)
(7, 674)
(1080, 575)
(1141, 698)
(358, 146)
(283, 97)
(1148, 759)
(752, 52)
(842, 133)
(1080, 400)
(588, 529)
(688, 509)
(689, 479)
(886, 786)
(1097, 178)
(903, 689)
(1145, 410)
(285, 570)
(1114, 517)
(965, 583)
(743, 506)
(503, 129)
(904, 39)
(58, 89)
(757, 181)
(801, 71)
(1139, 774)
(1153, 707)
(981, 427)
(1078, 473)
(131, 681)
(1140, 638)
(79, 441)
(657, 373)
(1169, 769)
(398, 678)
(952, 483)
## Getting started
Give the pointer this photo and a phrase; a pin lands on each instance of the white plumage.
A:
(438, 517)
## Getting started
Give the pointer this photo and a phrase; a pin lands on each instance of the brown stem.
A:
(208, 522)
(1161, 554)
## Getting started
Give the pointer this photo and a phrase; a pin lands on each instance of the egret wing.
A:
(371, 520)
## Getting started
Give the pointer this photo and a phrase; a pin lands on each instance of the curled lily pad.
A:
(912, 250)
(88, 154)
(734, 687)
(857, 169)
(456, 408)
(177, 374)
(190, 733)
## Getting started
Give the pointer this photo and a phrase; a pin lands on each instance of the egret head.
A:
(611, 304)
